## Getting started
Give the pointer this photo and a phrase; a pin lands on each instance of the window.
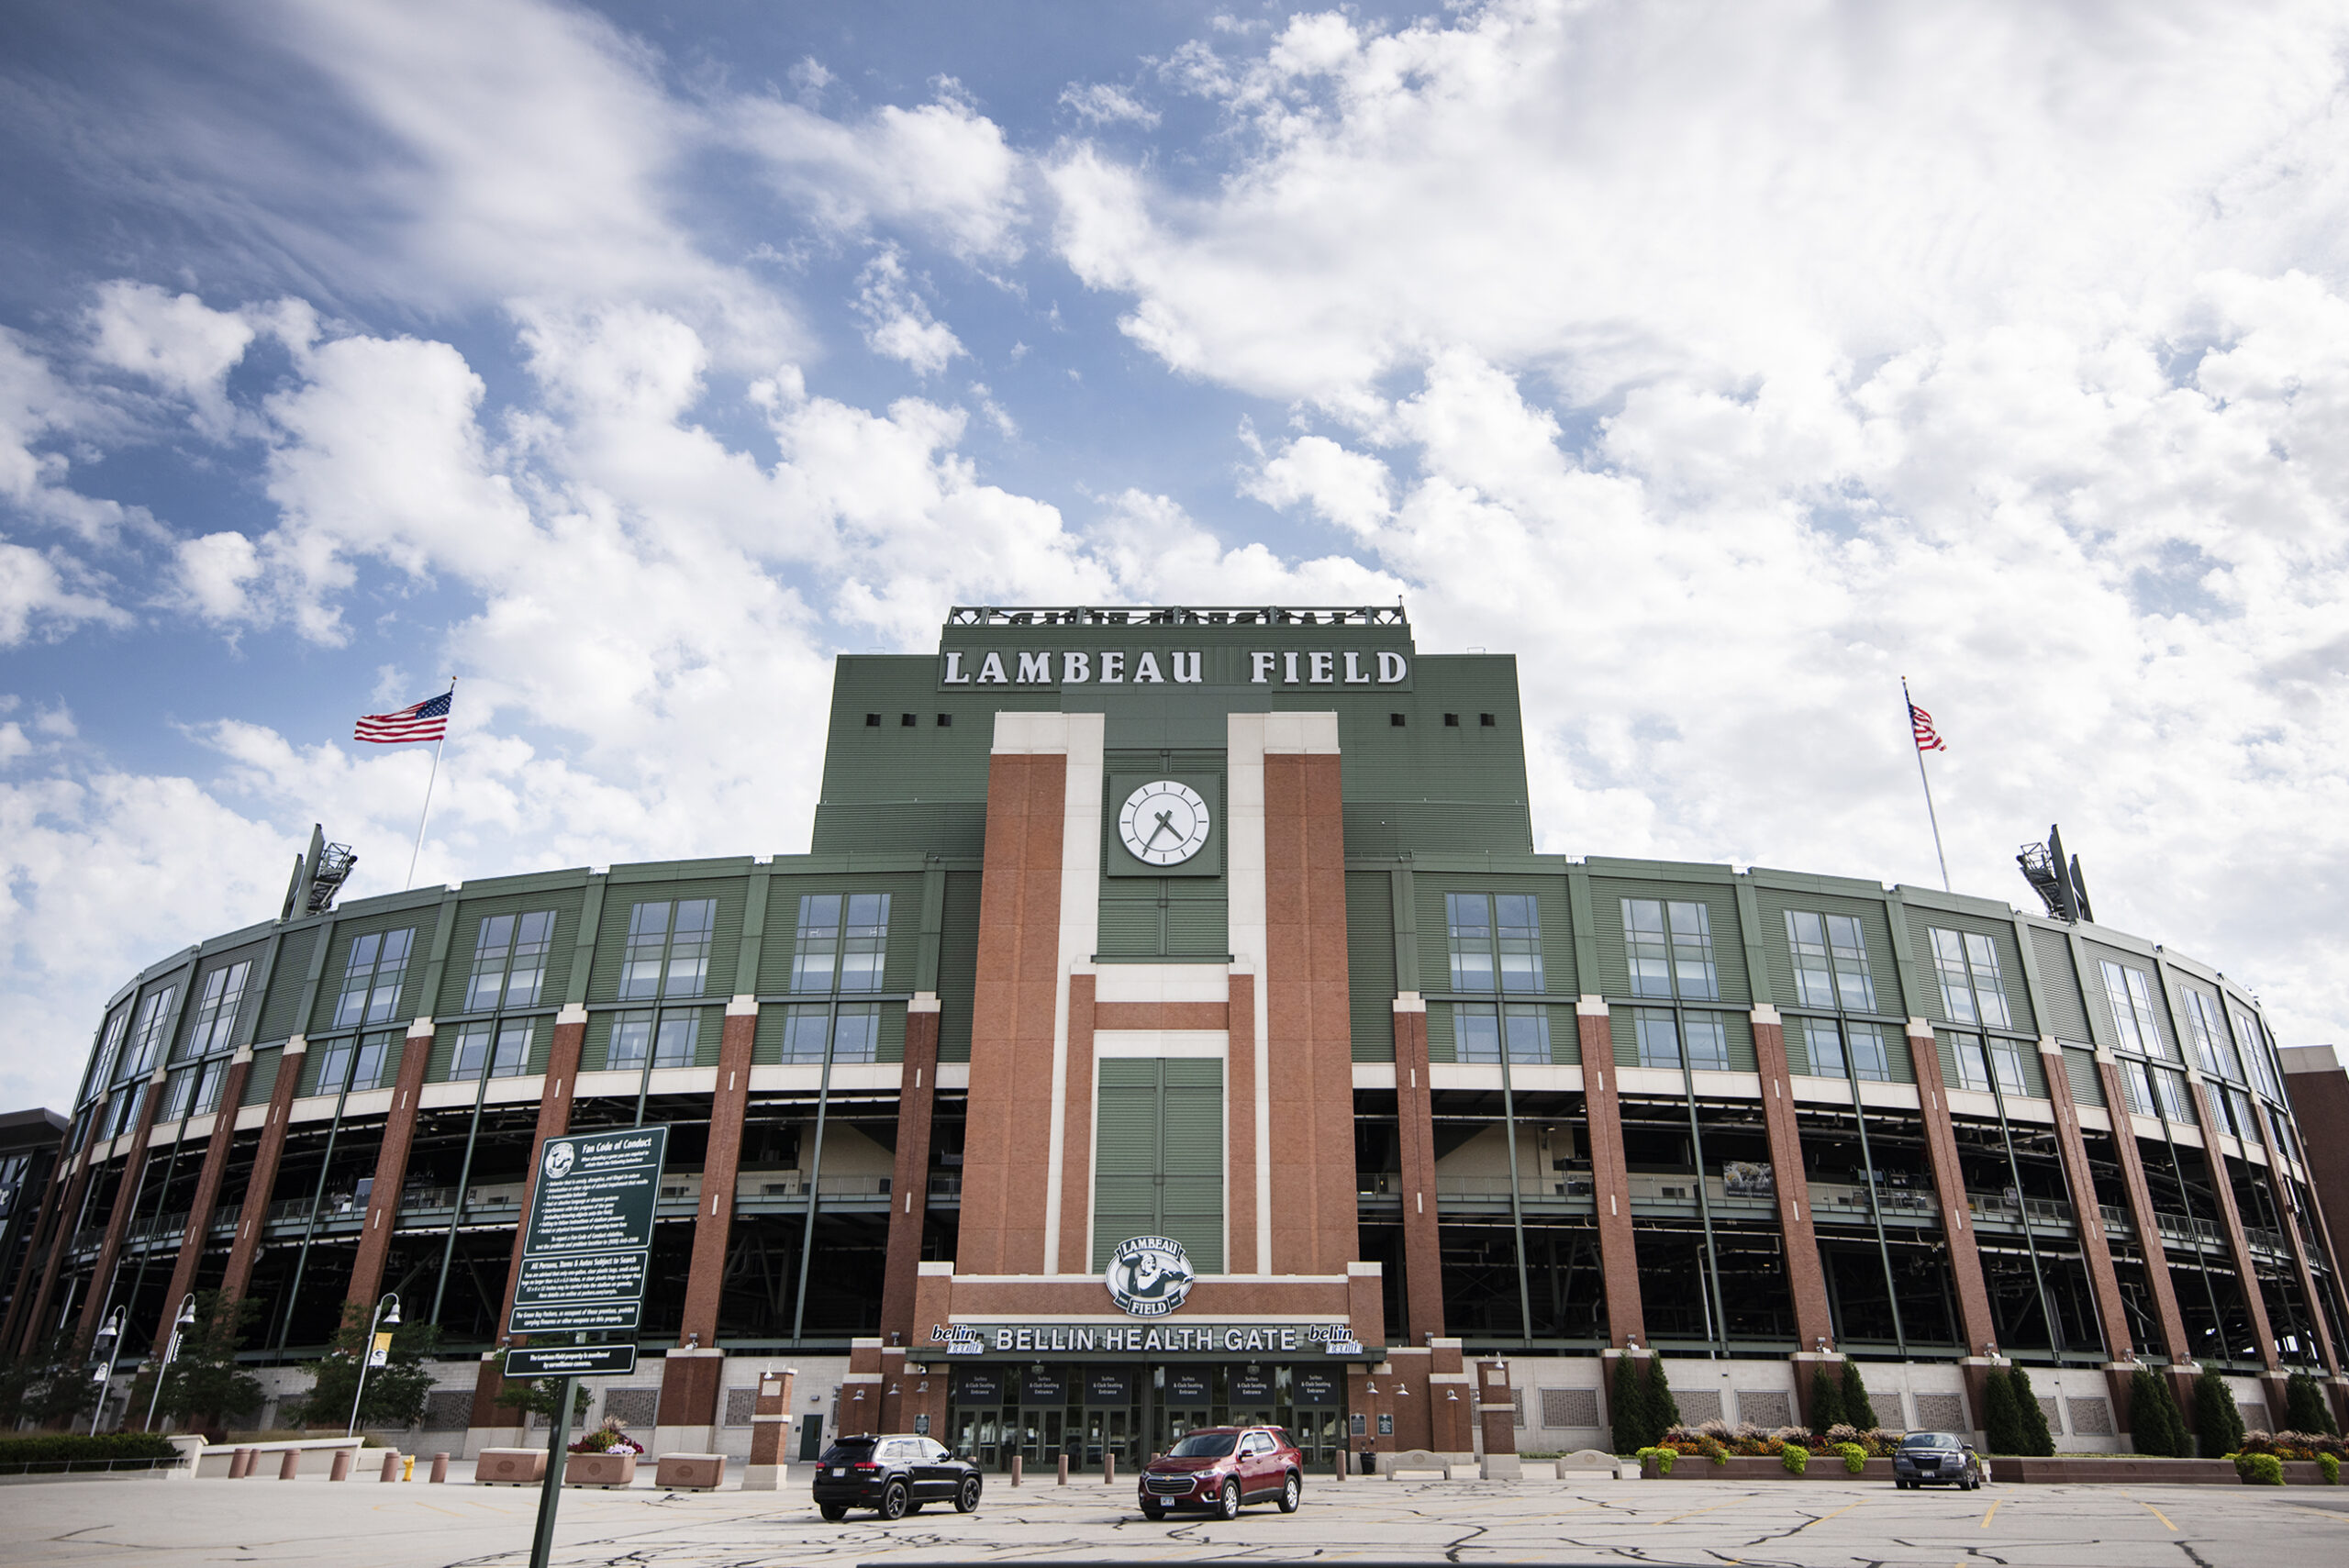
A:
(358, 1062)
(1985, 1063)
(117, 1027)
(2245, 1119)
(370, 978)
(179, 1093)
(856, 1032)
(1494, 936)
(1974, 989)
(2213, 1051)
(2131, 992)
(147, 1034)
(1670, 945)
(1830, 961)
(1479, 1028)
(854, 1027)
(871, 721)
(1866, 1056)
(216, 1011)
(510, 961)
(668, 948)
(1659, 1036)
(504, 1048)
(122, 1112)
(2255, 1053)
(842, 941)
(671, 1039)
(1452, 721)
(2176, 1105)
(2138, 1085)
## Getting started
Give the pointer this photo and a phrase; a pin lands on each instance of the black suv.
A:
(893, 1475)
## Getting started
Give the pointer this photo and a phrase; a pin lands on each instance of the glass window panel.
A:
(472, 1057)
(1476, 1032)
(1814, 977)
(2241, 1115)
(1949, 967)
(1869, 1058)
(118, 1027)
(2202, 1027)
(2124, 1011)
(334, 1064)
(2006, 1060)
(864, 943)
(147, 1035)
(513, 1058)
(689, 946)
(1649, 950)
(2141, 1000)
(1825, 1046)
(179, 1093)
(1467, 918)
(357, 974)
(673, 1046)
(1708, 1041)
(216, 1011)
(1990, 982)
(803, 1032)
(632, 1040)
(1852, 979)
(1973, 1070)
(648, 940)
(817, 947)
(533, 939)
(493, 945)
(2140, 1087)
(207, 1093)
(1520, 942)
(374, 1065)
(2171, 1086)
(1692, 951)
(1528, 1032)
(856, 1035)
(1659, 1038)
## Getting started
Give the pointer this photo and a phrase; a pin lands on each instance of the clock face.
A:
(1163, 823)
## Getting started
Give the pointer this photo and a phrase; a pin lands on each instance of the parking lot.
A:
(181, 1524)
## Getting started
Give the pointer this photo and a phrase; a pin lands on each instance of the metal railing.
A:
(2009, 1209)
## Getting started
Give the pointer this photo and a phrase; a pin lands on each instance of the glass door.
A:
(1041, 1438)
(980, 1433)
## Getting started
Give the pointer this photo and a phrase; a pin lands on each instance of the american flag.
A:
(427, 720)
(1920, 723)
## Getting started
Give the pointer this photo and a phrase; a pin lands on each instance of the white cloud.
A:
(897, 324)
(175, 341)
(1102, 103)
(1347, 488)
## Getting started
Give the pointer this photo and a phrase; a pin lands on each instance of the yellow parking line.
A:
(2155, 1512)
(1694, 1512)
(1986, 1517)
(2335, 1516)
(1844, 1510)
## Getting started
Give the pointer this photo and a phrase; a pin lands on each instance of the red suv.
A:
(1219, 1468)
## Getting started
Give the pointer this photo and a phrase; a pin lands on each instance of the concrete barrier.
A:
(510, 1467)
(690, 1472)
(313, 1456)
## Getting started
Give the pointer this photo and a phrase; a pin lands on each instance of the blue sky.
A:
(1726, 362)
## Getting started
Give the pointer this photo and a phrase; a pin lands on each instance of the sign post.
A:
(585, 1253)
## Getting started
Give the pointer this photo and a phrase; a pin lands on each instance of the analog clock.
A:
(1163, 823)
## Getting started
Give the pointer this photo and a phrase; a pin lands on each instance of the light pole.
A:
(186, 1321)
(388, 1315)
(110, 1336)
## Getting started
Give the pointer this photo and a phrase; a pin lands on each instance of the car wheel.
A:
(1903, 1485)
(833, 1512)
(1289, 1494)
(894, 1500)
(967, 1498)
(1227, 1502)
(1154, 1511)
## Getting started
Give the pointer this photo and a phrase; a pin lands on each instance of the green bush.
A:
(2030, 1421)
(2306, 1409)
(2330, 1464)
(2217, 1425)
(1663, 1410)
(2001, 1423)
(394, 1393)
(2260, 1469)
(1826, 1398)
(2155, 1427)
(205, 1379)
(67, 1449)
(1857, 1410)
(1855, 1458)
(1662, 1457)
(1628, 1406)
(1795, 1458)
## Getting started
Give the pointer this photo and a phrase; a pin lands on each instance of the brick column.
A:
(2141, 1211)
(1012, 1015)
(714, 1219)
(770, 1430)
(909, 1174)
(2288, 1208)
(1610, 1182)
(1806, 1277)
(861, 1389)
(134, 1166)
(391, 1167)
(254, 1215)
(1949, 1181)
(1315, 1226)
(208, 1180)
(1077, 1131)
(554, 1120)
(2230, 1219)
(2086, 1213)
(1451, 1413)
(1415, 1142)
(1497, 1418)
(28, 1309)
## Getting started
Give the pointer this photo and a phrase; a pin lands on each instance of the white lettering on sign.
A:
(1013, 667)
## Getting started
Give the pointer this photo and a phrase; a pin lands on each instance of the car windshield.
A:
(1203, 1445)
(1928, 1440)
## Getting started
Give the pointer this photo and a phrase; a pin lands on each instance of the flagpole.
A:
(1909, 715)
(431, 778)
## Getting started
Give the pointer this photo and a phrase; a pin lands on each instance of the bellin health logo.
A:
(1149, 1276)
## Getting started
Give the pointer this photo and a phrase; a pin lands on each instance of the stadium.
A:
(1171, 1023)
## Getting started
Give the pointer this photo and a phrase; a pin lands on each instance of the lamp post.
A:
(386, 1315)
(181, 1325)
(110, 1336)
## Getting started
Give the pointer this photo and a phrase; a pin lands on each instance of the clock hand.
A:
(1164, 826)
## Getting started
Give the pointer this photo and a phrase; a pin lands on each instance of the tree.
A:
(52, 1385)
(1826, 1399)
(1629, 1408)
(539, 1396)
(2217, 1425)
(2154, 1425)
(1663, 1410)
(1857, 1408)
(395, 1392)
(2001, 1422)
(204, 1379)
(2305, 1409)
(2030, 1418)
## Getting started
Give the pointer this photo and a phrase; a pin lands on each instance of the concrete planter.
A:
(510, 1467)
(598, 1469)
(690, 1472)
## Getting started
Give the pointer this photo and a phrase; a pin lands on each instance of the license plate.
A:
(840, 1470)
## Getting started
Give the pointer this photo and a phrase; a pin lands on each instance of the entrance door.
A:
(1109, 1431)
(1040, 1437)
(980, 1433)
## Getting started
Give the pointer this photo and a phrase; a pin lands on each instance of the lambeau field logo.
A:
(1149, 1276)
